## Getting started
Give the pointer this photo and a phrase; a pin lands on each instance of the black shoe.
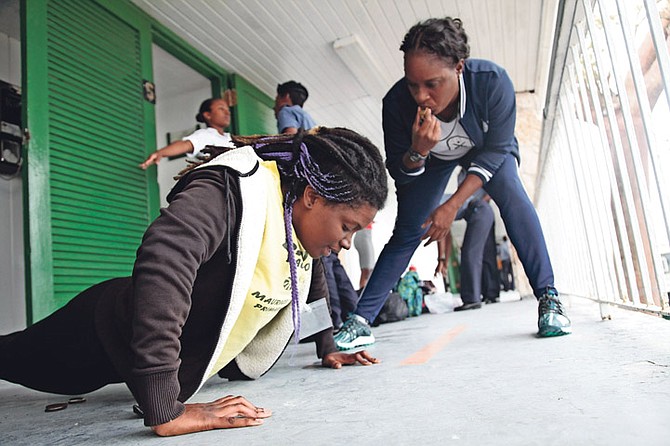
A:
(491, 300)
(470, 306)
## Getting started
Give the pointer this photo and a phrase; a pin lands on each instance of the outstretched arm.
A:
(174, 149)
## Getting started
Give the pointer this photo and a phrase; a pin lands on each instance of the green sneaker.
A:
(552, 320)
(355, 332)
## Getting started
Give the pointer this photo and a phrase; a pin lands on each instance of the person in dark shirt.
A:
(451, 110)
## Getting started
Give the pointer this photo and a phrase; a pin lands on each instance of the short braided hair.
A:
(339, 164)
(443, 37)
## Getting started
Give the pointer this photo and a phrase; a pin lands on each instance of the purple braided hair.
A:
(289, 199)
(329, 185)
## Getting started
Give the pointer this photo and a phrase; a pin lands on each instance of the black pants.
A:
(507, 275)
(61, 353)
(481, 220)
(490, 275)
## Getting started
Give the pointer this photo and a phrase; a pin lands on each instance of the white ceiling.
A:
(272, 41)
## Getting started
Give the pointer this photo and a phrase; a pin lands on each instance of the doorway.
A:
(179, 92)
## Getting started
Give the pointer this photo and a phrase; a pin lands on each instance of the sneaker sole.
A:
(360, 341)
(553, 332)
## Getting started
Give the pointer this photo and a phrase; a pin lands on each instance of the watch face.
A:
(415, 157)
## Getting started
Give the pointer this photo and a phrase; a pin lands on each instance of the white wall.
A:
(174, 115)
(179, 93)
(12, 284)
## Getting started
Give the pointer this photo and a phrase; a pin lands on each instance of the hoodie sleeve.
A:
(185, 235)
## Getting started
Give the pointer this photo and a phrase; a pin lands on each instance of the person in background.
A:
(450, 110)
(366, 254)
(506, 272)
(343, 296)
(212, 291)
(490, 272)
(444, 249)
(291, 117)
(475, 266)
(478, 252)
(215, 113)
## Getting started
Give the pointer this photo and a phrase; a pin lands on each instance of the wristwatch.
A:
(416, 157)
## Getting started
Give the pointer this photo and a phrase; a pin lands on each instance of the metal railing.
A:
(602, 191)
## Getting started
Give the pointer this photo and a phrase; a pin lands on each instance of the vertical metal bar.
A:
(578, 132)
(591, 177)
(663, 59)
(611, 178)
(658, 37)
(620, 158)
(645, 110)
(648, 125)
(571, 109)
(578, 264)
(570, 260)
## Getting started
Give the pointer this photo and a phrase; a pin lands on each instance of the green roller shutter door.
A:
(97, 205)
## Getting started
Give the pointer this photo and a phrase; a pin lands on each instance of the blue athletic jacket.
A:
(489, 119)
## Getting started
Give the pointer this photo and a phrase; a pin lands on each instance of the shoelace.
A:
(348, 327)
(551, 304)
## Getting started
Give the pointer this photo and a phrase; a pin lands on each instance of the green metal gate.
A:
(87, 202)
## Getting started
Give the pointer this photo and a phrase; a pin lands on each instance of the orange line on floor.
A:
(424, 355)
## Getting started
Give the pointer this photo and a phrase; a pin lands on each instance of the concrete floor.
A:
(490, 381)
